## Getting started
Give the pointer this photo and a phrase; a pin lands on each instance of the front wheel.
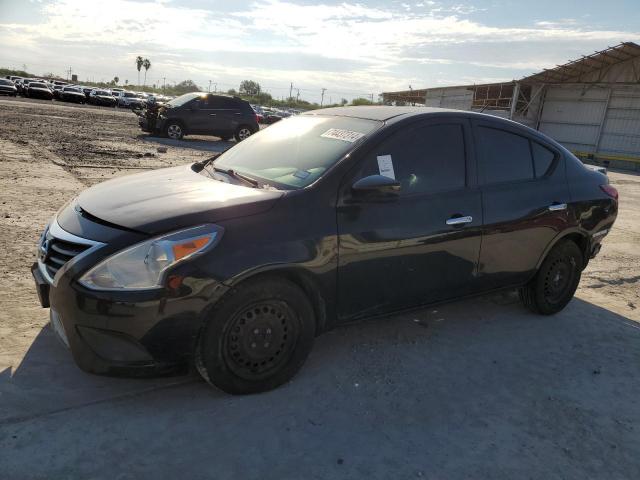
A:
(257, 338)
(174, 131)
(557, 280)
(242, 133)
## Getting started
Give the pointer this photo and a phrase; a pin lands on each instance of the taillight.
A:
(609, 190)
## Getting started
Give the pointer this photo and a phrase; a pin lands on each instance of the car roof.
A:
(379, 112)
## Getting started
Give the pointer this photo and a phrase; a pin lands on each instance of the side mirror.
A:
(376, 184)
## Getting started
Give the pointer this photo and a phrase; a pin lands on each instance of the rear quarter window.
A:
(542, 159)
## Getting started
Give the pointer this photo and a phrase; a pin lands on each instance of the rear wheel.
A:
(555, 283)
(242, 133)
(174, 131)
(257, 338)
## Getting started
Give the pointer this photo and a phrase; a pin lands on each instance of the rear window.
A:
(504, 156)
(222, 102)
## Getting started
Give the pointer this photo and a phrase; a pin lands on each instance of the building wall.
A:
(457, 98)
(595, 122)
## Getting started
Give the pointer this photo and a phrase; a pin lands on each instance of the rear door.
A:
(413, 248)
(226, 113)
(525, 197)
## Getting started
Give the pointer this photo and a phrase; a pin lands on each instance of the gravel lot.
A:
(474, 389)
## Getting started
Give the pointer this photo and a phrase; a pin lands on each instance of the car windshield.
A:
(6, 82)
(37, 85)
(182, 99)
(71, 89)
(297, 151)
(102, 92)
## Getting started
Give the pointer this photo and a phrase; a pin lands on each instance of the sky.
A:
(351, 49)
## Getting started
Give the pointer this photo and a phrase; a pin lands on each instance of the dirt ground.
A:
(474, 389)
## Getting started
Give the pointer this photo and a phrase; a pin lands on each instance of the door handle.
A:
(459, 220)
(556, 207)
(212, 114)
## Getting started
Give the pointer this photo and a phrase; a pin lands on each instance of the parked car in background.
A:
(203, 114)
(38, 90)
(7, 87)
(23, 85)
(115, 92)
(102, 97)
(270, 116)
(72, 94)
(56, 90)
(410, 207)
(130, 100)
(87, 91)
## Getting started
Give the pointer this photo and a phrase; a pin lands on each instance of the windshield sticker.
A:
(344, 135)
(385, 165)
(302, 174)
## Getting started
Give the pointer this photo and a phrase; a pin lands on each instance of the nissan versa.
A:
(235, 264)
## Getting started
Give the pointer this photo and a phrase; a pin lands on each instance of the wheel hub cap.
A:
(260, 339)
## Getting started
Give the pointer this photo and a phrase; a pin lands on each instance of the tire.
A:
(257, 338)
(242, 133)
(174, 130)
(557, 279)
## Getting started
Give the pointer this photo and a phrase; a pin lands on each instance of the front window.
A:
(296, 152)
(37, 85)
(182, 99)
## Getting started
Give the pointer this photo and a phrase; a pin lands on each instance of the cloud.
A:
(348, 46)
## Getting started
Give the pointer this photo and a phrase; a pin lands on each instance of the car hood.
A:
(171, 198)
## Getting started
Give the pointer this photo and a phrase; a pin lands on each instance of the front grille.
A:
(57, 252)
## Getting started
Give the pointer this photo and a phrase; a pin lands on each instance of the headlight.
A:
(144, 265)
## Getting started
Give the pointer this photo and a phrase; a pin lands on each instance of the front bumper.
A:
(137, 333)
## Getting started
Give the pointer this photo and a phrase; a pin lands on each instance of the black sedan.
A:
(38, 90)
(237, 263)
(7, 87)
(72, 94)
(103, 98)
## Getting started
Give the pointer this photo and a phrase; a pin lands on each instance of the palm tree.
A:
(139, 63)
(147, 65)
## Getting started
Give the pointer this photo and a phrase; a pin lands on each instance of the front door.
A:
(200, 116)
(422, 245)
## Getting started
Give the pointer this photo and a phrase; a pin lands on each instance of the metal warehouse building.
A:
(590, 105)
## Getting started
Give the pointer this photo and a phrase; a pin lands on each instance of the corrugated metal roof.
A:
(574, 71)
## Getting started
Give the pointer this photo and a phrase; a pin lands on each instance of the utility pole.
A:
(290, 89)
(164, 82)
(322, 98)
(298, 95)
(69, 73)
(210, 85)
(372, 98)
(215, 87)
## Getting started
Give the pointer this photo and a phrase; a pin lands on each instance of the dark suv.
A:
(236, 263)
(201, 114)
